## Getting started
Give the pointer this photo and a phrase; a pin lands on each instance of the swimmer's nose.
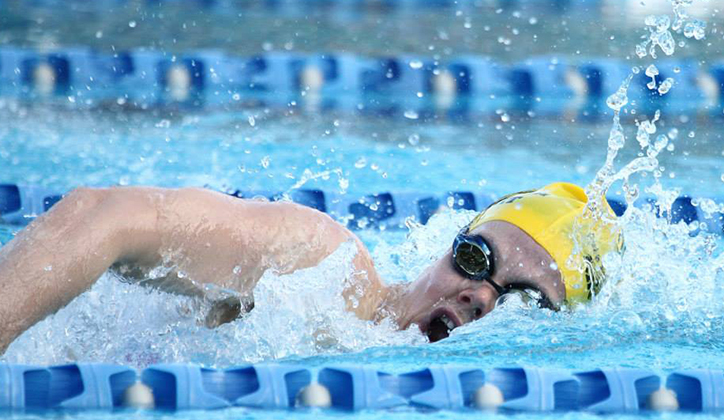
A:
(478, 301)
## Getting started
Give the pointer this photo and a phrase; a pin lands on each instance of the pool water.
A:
(661, 315)
(662, 308)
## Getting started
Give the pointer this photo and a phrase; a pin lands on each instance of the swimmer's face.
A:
(442, 299)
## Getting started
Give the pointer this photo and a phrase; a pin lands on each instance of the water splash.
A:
(121, 323)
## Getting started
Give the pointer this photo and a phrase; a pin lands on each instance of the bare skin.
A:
(204, 237)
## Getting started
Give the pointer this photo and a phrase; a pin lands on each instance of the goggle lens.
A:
(471, 259)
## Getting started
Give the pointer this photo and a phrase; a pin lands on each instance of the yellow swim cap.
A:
(554, 217)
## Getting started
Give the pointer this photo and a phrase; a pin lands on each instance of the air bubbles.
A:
(413, 139)
(132, 24)
(416, 64)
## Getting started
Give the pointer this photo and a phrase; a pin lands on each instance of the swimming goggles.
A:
(473, 259)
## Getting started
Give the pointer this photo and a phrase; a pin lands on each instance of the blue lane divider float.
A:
(616, 390)
(20, 204)
(546, 85)
(74, 386)
(262, 386)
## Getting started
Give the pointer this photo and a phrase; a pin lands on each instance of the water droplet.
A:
(412, 115)
(237, 270)
(665, 86)
(48, 268)
(132, 24)
(343, 183)
(360, 163)
(99, 34)
(413, 139)
(641, 50)
(252, 121)
(618, 100)
(652, 71)
(236, 96)
(505, 117)
(533, 21)
(264, 162)
(416, 64)
(695, 29)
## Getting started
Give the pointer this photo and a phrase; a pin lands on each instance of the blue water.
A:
(663, 307)
(661, 317)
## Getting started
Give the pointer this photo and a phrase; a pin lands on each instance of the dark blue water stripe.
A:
(387, 210)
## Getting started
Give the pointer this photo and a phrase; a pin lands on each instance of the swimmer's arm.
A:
(213, 238)
(64, 251)
(249, 237)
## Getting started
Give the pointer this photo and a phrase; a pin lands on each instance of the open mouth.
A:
(443, 321)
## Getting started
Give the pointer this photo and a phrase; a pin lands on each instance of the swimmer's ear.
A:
(228, 310)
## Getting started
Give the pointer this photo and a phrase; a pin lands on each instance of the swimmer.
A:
(519, 244)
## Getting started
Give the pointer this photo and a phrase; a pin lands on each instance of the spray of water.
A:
(297, 315)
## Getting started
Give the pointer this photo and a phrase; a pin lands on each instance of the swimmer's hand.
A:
(228, 310)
